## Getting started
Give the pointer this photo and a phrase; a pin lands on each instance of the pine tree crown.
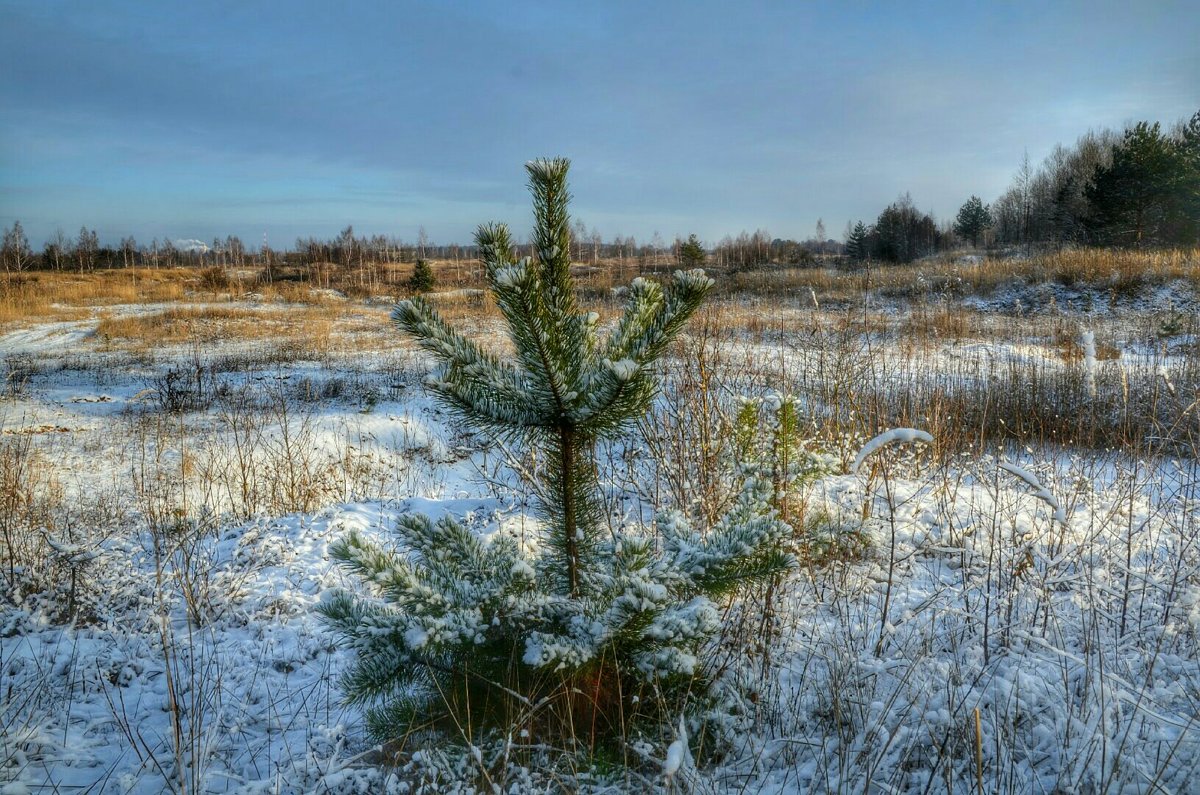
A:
(564, 373)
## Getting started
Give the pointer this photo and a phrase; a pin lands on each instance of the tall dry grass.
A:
(42, 295)
(1120, 271)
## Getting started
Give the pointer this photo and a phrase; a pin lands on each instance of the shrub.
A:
(214, 279)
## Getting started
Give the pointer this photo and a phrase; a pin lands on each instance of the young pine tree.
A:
(691, 253)
(856, 243)
(594, 629)
(422, 279)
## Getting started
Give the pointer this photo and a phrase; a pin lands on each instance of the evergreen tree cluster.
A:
(1136, 187)
(902, 233)
(1141, 187)
(1150, 192)
(592, 630)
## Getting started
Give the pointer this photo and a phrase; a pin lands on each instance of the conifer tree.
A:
(422, 279)
(1187, 199)
(856, 242)
(974, 217)
(1130, 199)
(691, 253)
(582, 630)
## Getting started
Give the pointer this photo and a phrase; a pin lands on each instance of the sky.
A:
(286, 119)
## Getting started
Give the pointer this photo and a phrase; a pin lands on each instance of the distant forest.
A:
(1139, 187)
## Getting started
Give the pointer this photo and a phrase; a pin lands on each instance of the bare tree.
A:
(87, 245)
(579, 235)
(658, 245)
(129, 251)
(237, 251)
(1025, 195)
(15, 249)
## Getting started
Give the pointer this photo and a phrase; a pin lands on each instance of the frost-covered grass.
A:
(1075, 643)
(169, 534)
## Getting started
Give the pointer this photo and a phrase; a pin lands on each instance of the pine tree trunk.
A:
(567, 443)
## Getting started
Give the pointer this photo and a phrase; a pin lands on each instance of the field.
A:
(1012, 607)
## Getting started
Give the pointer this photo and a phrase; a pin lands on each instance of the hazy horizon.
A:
(189, 122)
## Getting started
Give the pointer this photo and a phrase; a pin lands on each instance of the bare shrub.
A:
(30, 500)
(214, 279)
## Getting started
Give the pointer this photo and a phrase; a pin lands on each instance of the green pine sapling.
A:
(595, 629)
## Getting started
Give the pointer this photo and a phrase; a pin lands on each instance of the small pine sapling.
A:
(776, 464)
(422, 279)
(595, 630)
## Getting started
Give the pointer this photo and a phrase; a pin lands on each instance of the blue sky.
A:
(191, 120)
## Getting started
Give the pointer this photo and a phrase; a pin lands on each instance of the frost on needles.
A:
(597, 631)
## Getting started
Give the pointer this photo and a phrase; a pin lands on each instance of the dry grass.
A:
(42, 295)
(182, 324)
(29, 495)
(304, 331)
(975, 380)
(1120, 271)
(844, 355)
(25, 296)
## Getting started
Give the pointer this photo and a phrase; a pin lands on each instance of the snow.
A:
(1076, 641)
(894, 436)
(1088, 339)
(677, 752)
(1039, 491)
(1164, 373)
(624, 369)
(511, 276)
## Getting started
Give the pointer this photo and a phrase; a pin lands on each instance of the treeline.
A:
(1139, 187)
(347, 250)
(84, 252)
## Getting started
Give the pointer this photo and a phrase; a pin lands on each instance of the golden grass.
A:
(179, 324)
(48, 295)
(288, 332)
(41, 294)
(293, 331)
(1119, 271)
(329, 300)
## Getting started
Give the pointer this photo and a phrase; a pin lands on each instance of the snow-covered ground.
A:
(979, 642)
